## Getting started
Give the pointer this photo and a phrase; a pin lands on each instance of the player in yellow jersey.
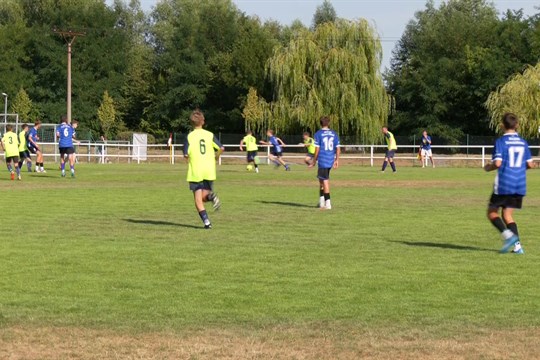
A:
(24, 153)
(391, 150)
(201, 149)
(250, 143)
(309, 144)
(10, 145)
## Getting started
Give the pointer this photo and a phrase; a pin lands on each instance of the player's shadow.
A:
(285, 203)
(161, 223)
(443, 246)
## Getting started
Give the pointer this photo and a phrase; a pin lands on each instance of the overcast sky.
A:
(389, 16)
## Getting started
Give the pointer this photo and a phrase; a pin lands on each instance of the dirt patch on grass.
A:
(274, 343)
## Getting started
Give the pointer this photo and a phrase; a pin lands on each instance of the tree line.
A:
(139, 71)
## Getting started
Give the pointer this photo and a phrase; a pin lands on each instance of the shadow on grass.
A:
(443, 246)
(161, 223)
(285, 203)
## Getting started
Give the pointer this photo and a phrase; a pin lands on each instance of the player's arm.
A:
(242, 145)
(280, 141)
(219, 148)
(316, 155)
(186, 149)
(494, 165)
(338, 153)
(264, 142)
(2, 143)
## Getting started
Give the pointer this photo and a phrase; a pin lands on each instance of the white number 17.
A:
(515, 154)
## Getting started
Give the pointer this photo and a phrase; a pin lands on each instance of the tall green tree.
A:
(22, 105)
(323, 14)
(106, 115)
(334, 71)
(520, 95)
(449, 60)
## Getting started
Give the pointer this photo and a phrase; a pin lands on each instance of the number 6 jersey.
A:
(200, 147)
(514, 153)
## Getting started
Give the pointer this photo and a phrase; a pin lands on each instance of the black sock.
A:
(384, 165)
(203, 215)
(513, 228)
(256, 166)
(321, 192)
(499, 224)
(210, 197)
(393, 166)
(20, 164)
(326, 196)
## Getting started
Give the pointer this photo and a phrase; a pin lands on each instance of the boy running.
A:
(24, 153)
(391, 151)
(251, 147)
(34, 148)
(309, 144)
(64, 134)
(201, 149)
(10, 145)
(276, 153)
(327, 153)
(511, 158)
(426, 149)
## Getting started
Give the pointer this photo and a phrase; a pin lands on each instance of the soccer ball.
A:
(249, 167)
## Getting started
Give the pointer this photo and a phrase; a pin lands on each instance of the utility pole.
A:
(69, 36)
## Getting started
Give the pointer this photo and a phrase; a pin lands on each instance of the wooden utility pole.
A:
(69, 36)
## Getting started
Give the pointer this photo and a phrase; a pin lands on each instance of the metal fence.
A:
(362, 155)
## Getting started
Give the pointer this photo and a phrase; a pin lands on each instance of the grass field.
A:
(115, 264)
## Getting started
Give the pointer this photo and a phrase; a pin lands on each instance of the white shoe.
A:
(257, 170)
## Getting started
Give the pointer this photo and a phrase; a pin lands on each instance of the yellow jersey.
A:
(200, 148)
(11, 144)
(310, 145)
(390, 141)
(23, 146)
(250, 142)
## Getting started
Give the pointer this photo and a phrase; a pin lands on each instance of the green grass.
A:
(121, 247)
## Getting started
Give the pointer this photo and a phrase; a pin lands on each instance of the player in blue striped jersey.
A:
(65, 133)
(327, 151)
(511, 158)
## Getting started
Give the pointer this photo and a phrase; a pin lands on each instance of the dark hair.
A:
(38, 122)
(307, 133)
(24, 126)
(510, 121)
(9, 127)
(270, 131)
(64, 118)
(75, 121)
(197, 117)
(325, 121)
(249, 132)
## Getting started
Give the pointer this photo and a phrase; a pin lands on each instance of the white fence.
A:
(456, 155)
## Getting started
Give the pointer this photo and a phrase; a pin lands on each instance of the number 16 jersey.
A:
(327, 141)
(514, 153)
(200, 147)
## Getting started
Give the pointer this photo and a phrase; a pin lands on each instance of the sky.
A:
(389, 17)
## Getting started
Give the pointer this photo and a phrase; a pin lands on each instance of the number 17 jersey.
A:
(327, 141)
(514, 153)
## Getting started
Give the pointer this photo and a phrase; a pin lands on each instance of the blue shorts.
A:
(201, 185)
(277, 154)
(24, 154)
(310, 155)
(251, 156)
(390, 154)
(32, 149)
(323, 173)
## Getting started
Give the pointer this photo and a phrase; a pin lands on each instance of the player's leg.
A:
(431, 158)
(282, 162)
(40, 162)
(423, 155)
(62, 162)
(391, 160)
(17, 168)
(385, 163)
(509, 238)
(210, 195)
(324, 181)
(28, 161)
(321, 193)
(508, 217)
(199, 204)
(326, 190)
(10, 168)
(72, 163)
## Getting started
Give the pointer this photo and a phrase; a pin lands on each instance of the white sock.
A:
(328, 205)
(321, 201)
(507, 234)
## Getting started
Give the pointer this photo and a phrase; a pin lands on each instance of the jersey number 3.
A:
(515, 155)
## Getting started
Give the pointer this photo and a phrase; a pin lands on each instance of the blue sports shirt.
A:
(327, 141)
(425, 143)
(514, 153)
(32, 134)
(275, 144)
(65, 134)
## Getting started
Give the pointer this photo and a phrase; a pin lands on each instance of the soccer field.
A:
(115, 264)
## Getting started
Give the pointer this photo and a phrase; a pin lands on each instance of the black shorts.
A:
(24, 154)
(505, 201)
(67, 150)
(310, 155)
(12, 158)
(323, 173)
(277, 154)
(32, 149)
(251, 155)
(390, 154)
(202, 185)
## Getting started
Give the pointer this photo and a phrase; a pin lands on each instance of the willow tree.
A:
(333, 70)
(520, 95)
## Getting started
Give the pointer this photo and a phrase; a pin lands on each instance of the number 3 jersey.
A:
(514, 153)
(327, 141)
(200, 147)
